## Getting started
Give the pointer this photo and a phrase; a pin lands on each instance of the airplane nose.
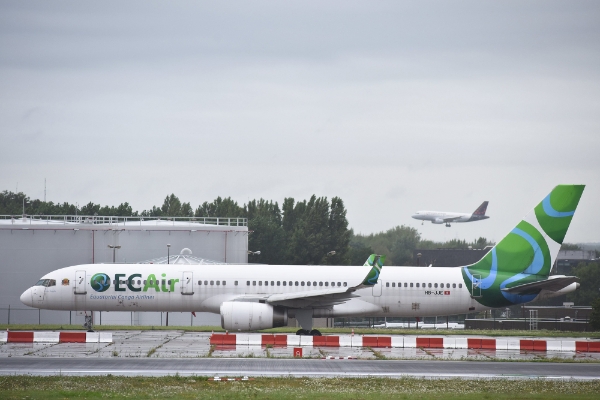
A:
(26, 298)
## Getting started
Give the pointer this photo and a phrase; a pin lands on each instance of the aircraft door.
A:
(38, 293)
(377, 289)
(187, 283)
(80, 282)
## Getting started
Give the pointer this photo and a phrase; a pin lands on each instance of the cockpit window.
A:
(46, 282)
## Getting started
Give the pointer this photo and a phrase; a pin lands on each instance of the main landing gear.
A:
(447, 225)
(306, 332)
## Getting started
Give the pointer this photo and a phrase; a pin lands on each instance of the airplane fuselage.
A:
(439, 217)
(400, 291)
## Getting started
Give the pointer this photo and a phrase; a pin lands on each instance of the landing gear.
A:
(306, 332)
(88, 323)
(447, 225)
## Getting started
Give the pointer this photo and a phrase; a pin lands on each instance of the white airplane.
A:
(253, 297)
(440, 217)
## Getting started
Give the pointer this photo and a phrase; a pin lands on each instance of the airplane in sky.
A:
(253, 297)
(440, 217)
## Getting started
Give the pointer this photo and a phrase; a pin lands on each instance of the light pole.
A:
(331, 253)
(254, 253)
(168, 262)
(114, 249)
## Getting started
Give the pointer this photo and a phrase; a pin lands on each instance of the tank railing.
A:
(117, 220)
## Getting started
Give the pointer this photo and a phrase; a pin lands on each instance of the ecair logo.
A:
(100, 282)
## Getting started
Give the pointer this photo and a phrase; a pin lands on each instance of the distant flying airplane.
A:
(440, 217)
(252, 297)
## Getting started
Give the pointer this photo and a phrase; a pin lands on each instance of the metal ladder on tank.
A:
(533, 320)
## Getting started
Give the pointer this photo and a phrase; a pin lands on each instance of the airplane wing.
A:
(313, 298)
(451, 219)
(332, 296)
(553, 284)
(322, 298)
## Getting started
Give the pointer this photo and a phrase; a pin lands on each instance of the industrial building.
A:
(33, 246)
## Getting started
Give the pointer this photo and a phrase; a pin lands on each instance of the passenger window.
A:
(454, 285)
(326, 283)
(296, 283)
(393, 284)
(224, 283)
(199, 283)
(291, 283)
(169, 282)
(302, 283)
(247, 283)
(284, 282)
(447, 286)
(272, 283)
(387, 284)
(320, 283)
(253, 283)
(139, 282)
(212, 283)
(218, 283)
(314, 283)
(339, 283)
(405, 284)
(345, 284)
(434, 285)
(411, 285)
(259, 283)
(308, 283)
(429, 285)
(206, 282)
(460, 285)
(235, 283)
(145, 282)
(278, 283)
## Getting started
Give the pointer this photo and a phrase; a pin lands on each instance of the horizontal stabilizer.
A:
(554, 283)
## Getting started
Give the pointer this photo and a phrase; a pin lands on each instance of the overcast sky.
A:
(393, 106)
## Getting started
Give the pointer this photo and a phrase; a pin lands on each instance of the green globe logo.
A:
(100, 282)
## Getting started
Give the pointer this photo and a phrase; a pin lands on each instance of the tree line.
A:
(297, 232)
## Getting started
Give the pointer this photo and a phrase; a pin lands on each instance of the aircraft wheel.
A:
(315, 332)
(302, 332)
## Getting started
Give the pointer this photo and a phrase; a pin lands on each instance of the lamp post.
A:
(168, 262)
(331, 253)
(254, 253)
(114, 249)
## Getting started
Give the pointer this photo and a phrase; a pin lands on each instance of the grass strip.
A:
(57, 387)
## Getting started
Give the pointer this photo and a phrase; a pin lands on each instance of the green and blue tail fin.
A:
(527, 253)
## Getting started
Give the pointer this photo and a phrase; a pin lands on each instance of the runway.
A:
(236, 367)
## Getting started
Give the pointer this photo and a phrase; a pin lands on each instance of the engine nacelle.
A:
(437, 221)
(246, 316)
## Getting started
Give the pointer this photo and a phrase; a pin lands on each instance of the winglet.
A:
(376, 262)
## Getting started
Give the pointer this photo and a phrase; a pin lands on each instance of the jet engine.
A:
(437, 221)
(246, 316)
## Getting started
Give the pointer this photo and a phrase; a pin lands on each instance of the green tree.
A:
(595, 315)
(171, 206)
(589, 280)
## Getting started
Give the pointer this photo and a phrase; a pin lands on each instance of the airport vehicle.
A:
(441, 217)
(252, 297)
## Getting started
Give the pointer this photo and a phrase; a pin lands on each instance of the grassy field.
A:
(55, 387)
(357, 331)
